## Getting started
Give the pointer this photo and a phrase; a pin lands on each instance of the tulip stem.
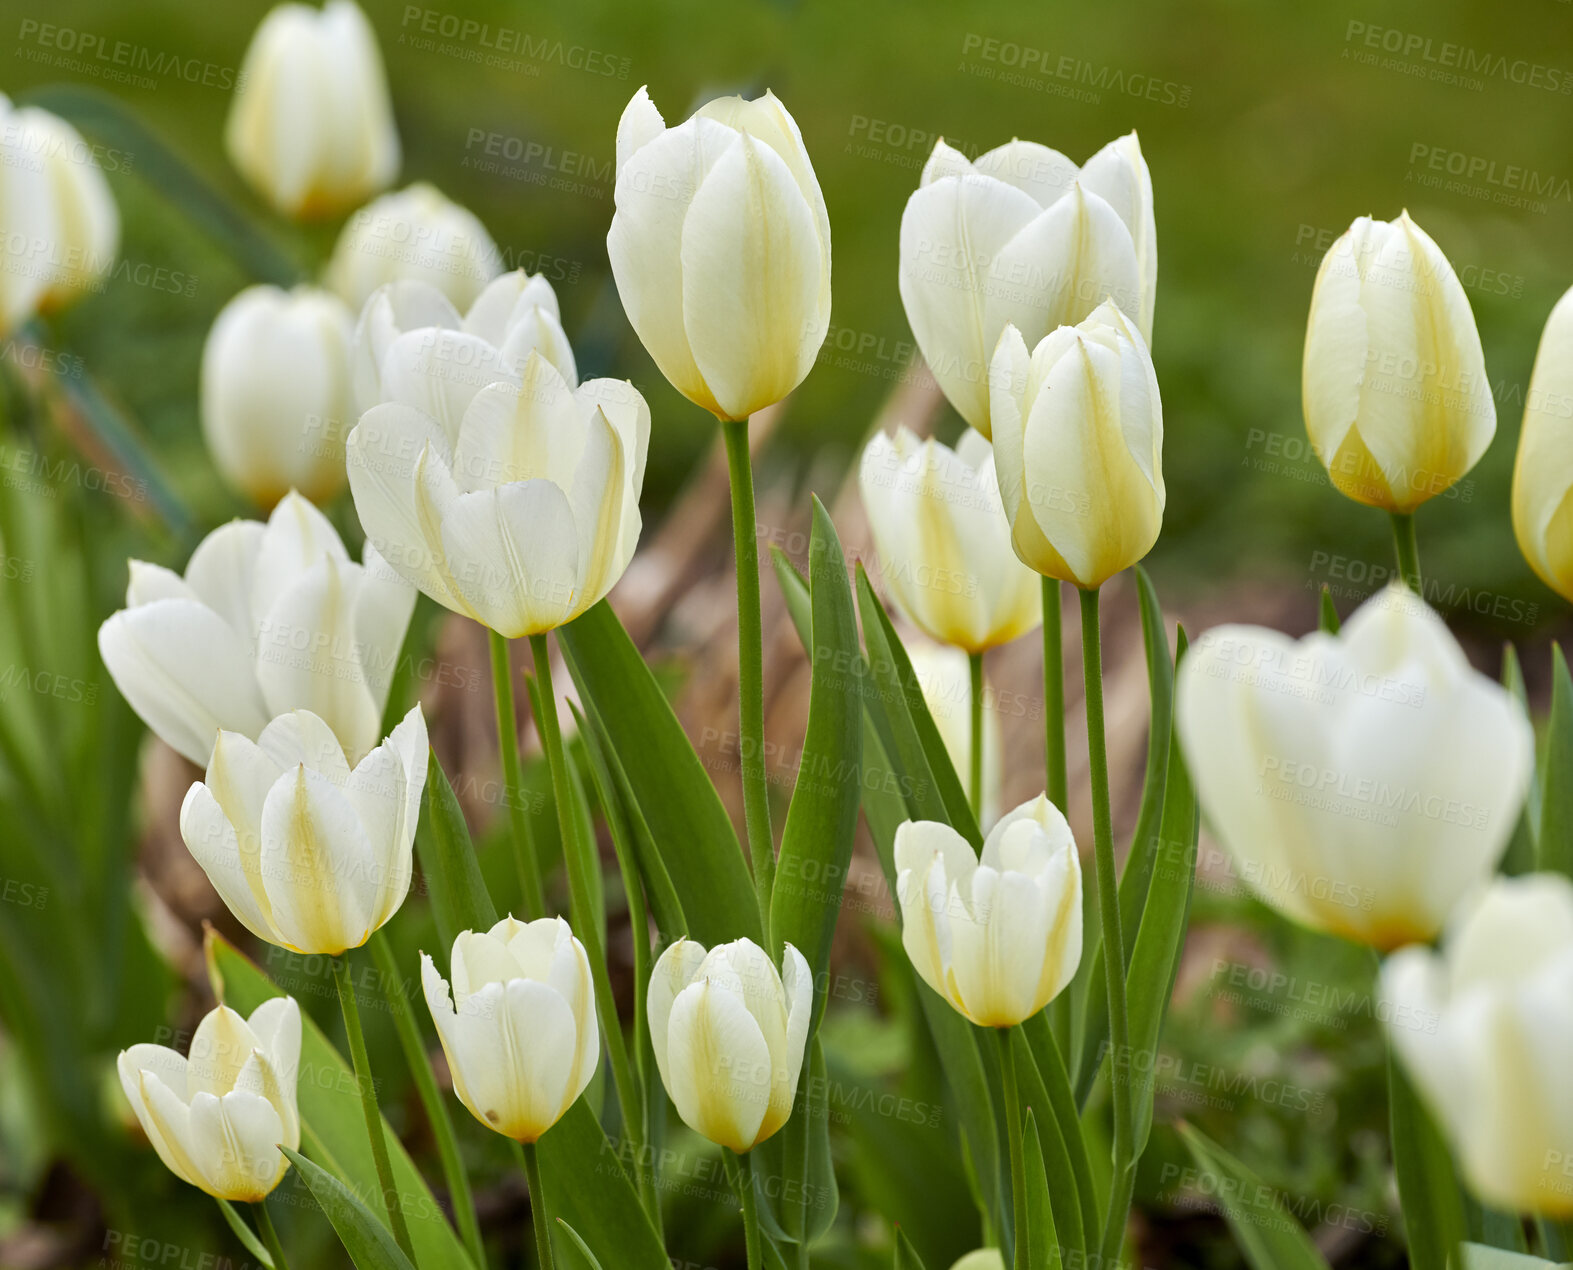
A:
(538, 1218)
(525, 861)
(368, 1102)
(750, 669)
(1058, 782)
(1113, 940)
(1013, 1135)
(270, 1236)
(741, 1168)
(975, 754)
(1408, 551)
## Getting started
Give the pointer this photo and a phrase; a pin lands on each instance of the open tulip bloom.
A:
(1543, 472)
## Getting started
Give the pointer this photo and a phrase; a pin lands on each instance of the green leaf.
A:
(458, 894)
(1480, 1257)
(588, 1187)
(1043, 1246)
(794, 1174)
(687, 821)
(365, 1238)
(1555, 840)
(1327, 612)
(1267, 1234)
(576, 1253)
(1054, 1156)
(1428, 1189)
(906, 1255)
(1061, 1120)
(245, 1234)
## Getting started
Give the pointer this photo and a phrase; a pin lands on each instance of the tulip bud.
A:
(1078, 439)
(1362, 783)
(1484, 1029)
(308, 853)
(416, 234)
(946, 681)
(519, 1030)
(1543, 473)
(218, 1115)
(267, 619)
(311, 127)
(276, 401)
(1397, 403)
(729, 1034)
(721, 250)
(999, 937)
(981, 1259)
(1021, 237)
(944, 542)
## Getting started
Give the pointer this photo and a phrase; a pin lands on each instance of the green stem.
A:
(1057, 785)
(1109, 913)
(750, 669)
(742, 1173)
(1408, 552)
(431, 1099)
(270, 1236)
(368, 1103)
(975, 754)
(1013, 1135)
(538, 1218)
(525, 862)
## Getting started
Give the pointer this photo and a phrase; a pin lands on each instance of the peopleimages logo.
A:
(1450, 60)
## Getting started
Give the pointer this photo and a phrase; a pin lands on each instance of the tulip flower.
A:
(307, 852)
(1397, 403)
(61, 224)
(419, 234)
(1363, 784)
(1021, 237)
(729, 1034)
(1543, 473)
(944, 542)
(519, 1029)
(981, 1259)
(942, 675)
(720, 246)
(276, 400)
(1078, 440)
(997, 937)
(1485, 1027)
(267, 618)
(218, 1115)
(311, 127)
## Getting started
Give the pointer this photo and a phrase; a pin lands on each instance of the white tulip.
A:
(729, 1034)
(218, 1116)
(1021, 236)
(416, 233)
(999, 937)
(1394, 385)
(1485, 1028)
(268, 618)
(1078, 440)
(311, 127)
(307, 852)
(1543, 472)
(519, 1030)
(945, 679)
(276, 399)
(944, 542)
(981, 1259)
(1363, 783)
(721, 250)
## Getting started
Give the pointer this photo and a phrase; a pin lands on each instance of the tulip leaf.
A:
(685, 815)
(1063, 1188)
(576, 1253)
(1043, 1245)
(365, 1238)
(1327, 612)
(793, 1171)
(458, 894)
(1428, 1189)
(245, 1234)
(906, 1255)
(1062, 1125)
(1268, 1235)
(588, 1186)
(1555, 840)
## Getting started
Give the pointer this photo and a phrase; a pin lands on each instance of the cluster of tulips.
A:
(1366, 781)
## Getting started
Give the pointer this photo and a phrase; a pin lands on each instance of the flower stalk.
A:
(526, 863)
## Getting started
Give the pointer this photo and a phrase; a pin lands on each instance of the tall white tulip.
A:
(1543, 472)
(721, 250)
(1363, 783)
(519, 1028)
(1394, 385)
(1078, 440)
(1485, 1028)
(218, 1115)
(267, 618)
(308, 852)
(415, 233)
(729, 1034)
(998, 937)
(1024, 237)
(276, 399)
(944, 542)
(946, 683)
(311, 127)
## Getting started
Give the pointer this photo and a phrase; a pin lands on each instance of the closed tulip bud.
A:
(997, 937)
(944, 542)
(721, 250)
(416, 233)
(311, 127)
(519, 1029)
(1024, 237)
(307, 852)
(1543, 473)
(1078, 440)
(1394, 385)
(729, 1034)
(1485, 1028)
(218, 1115)
(946, 682)
(267, 619)
(981, 1259)
(276, 400)
(1362, 783)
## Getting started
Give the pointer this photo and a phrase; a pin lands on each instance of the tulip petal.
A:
(379, 790)
(232, 861)
(384, 604)
(674, 970)
(166, 1119)
(222, 571)
(1062, 265)
(520, 432)
(513, 552)
(220, 1047)
(1044, 174)
(640, 124)
(302, 737)
(1119, 175)
(718, 1067)
(234, 1143)
(438, 372)
(480, 959)
(404, 305)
